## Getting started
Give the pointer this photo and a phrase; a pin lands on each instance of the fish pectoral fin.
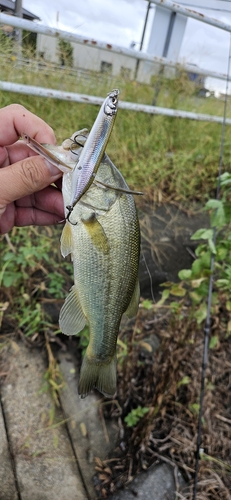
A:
(134, 302)
(96, 233)
(98, 375)
(71, 318)
(66, 240)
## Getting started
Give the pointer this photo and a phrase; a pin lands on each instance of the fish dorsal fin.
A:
(66, 240)
(134, 302)
(72, 319)
(97, 234)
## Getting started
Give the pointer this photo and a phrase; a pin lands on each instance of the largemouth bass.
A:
(104, 243)
(103, 239)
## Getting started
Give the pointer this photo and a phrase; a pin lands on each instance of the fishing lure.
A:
(93, 150)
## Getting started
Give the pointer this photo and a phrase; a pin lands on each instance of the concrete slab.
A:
(91, 436)
(8, 489)
(157, 483)
(45, 464)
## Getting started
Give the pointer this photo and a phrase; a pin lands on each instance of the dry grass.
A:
(168, 432)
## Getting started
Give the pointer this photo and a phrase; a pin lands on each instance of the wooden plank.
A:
(91, 436)
(45, 464)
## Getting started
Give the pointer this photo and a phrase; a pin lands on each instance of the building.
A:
(8, 7)
(84, 57)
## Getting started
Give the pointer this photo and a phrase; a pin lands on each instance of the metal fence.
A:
(141, 56)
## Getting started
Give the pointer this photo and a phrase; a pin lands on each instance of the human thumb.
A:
(26, 177)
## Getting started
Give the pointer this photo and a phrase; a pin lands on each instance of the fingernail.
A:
(55, 172)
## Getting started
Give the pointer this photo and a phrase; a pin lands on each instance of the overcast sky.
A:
(121, 22)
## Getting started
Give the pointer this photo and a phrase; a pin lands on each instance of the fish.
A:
(103, 238)
(104, 242)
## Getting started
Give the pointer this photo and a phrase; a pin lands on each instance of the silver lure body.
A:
(93, 150)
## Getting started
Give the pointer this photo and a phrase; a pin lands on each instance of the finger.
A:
(26, 177)
(7, 219)
(15, 152)
(33, 216)
(25, 217)
(15, 120)
(49, 200)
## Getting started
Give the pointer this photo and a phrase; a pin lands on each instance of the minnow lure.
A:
(93, 150)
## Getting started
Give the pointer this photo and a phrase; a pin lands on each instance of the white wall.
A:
(85, 57)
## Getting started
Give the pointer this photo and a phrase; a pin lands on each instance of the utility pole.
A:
(18, 31)
(142, 38)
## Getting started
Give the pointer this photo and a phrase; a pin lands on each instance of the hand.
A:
(26, 194)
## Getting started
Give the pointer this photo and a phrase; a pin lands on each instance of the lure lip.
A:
(45, 153)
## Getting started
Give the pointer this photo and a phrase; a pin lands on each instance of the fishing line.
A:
(150, 276)
(210, 289)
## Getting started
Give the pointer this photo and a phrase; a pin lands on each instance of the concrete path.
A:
(43, 456)
(48, 453)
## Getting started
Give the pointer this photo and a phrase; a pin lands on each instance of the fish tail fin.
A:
(101, 376)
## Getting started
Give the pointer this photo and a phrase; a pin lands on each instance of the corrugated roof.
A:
(9, 6)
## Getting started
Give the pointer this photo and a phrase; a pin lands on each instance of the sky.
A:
(121, 22)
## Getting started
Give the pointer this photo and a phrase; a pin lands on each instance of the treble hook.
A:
(76, 142)
(70, 209)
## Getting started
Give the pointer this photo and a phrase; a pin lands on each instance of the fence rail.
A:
(87, 99)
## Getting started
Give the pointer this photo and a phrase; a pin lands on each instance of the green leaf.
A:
(218, 217)
(222, 283)
(225, 179)
(185, 274)
(178, 291)
(212, 246)
(213, 203)
(197, 283)
(201, 313)
(165, 295)
(228, 305)
(195, 407)
(221, 252)
(196, 267)
(196, 297)
(8, 280)
(202, 234)
(184, 381)
(213, 341)
(135, 415)
(147, 304)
